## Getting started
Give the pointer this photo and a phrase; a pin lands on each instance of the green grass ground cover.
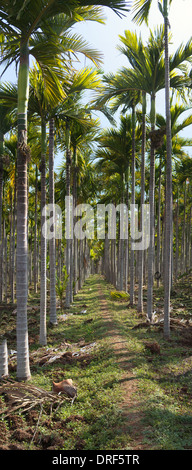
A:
(95, 420)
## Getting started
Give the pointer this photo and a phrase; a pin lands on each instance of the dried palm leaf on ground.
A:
(66, 386)
(24, 397)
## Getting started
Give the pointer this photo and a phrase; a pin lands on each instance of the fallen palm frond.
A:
(24, 397)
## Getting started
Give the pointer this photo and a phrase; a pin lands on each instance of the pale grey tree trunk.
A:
(184, 231)
(80, 262)
(127, 238)
(23, 369)
(132, 260)
(114, 262)
(68, 221)
(188, 242)
(111, 262)
(1, 203)
(141, 252)
(53, 314)
(106, 255)
(159, 226)
(75, 266)
(43, 286)
(75, 241)
(71, 270)
(121, 242)
(3, 358)
(68, 241)
(35, 234)
(168, 202)
(5, 261)
(190, 245)
(151, 202)
(121, 264)
(13, 241)
(177, 237)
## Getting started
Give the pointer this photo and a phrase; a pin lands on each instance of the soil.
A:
(130, 407)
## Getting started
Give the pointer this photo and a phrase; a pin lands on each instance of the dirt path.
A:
(131, 407)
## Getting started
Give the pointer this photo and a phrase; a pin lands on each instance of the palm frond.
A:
(141, 10)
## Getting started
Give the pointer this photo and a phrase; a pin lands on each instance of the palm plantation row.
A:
(129, 162)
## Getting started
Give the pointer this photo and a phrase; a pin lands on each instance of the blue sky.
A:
(106, 37)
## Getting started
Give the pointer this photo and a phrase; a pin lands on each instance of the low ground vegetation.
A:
(80, 348)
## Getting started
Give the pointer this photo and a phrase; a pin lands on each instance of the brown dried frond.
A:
(157, 136)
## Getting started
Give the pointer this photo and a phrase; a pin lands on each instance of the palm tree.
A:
(142, 8)
(69, 111)
(148, 74)
(39, 105)
(83, 134)
(53, 316)
(178, 144)
(141, 252)
(21, 22)
(116, 154)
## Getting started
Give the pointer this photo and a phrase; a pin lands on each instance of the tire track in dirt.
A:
(130, 407)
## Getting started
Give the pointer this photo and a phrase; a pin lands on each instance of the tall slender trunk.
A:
(151, 202)
(43, 288)
(1, 204)
(53, 314)
(141, 252)
(75, 241)
(35, 234)
(5, 260)
(190, 233)
(121, 242)
(177, 237)
(23, 368)
(80, 263)
(132, 260)
(188, 242)
(127, 238)
(184, 230)
(159, 226)
(13, 240)
(11, 231)
(68, 241)
(3, 359)
(168, 202)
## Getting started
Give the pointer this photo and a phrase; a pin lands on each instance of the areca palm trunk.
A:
(127, 238)
(75, 246)
(13, 241)
(121, 241)
(68, 241)
(177, 237)
(184, 230)
(141, 252)
(132, 260)
(3, 359)
(152, 228)
(159, 225)
(23, 368)
(43, 287)
(53, 315)
(1, 203)
(35, 234)
(168, 216)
